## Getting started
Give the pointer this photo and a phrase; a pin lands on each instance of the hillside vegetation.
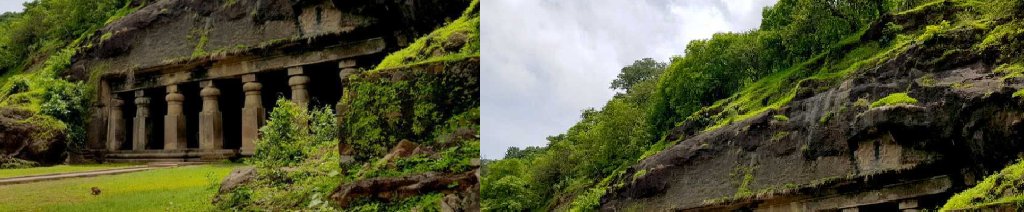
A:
(802, 47)
(41, 104)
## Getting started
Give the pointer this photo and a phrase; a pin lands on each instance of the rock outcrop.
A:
(23, 138)
(836, 151)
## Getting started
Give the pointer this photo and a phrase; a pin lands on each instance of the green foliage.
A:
(641, 70)
(894, 99)
(456, 40)
(604, 141)
(296, 161)
(1000, 188)
(46, 26)
(418, 106)
(69, 103)
(791, 31)
(36, 47)
(589, 201)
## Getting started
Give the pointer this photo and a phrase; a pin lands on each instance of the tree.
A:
(641, 70)
(515, 152)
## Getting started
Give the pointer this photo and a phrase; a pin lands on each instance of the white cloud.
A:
(12, 5)
(546, 60)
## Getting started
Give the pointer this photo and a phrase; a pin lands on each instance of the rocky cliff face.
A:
(832, 142)
(193, 30)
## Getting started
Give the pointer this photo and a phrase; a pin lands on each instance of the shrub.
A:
(296, 162)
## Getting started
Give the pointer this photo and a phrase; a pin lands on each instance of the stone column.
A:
(142, 128)
(115, 127)
(98, 122)
(253, 114)
(347, 153)
(174, 121)
(298, 83)
(211, 133)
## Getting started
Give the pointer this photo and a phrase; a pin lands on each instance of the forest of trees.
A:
(574, 169)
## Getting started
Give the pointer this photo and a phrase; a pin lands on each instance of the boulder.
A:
(237, 177)
(394, 188)
(24, 136)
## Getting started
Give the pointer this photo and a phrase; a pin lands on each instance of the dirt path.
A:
(60, 176)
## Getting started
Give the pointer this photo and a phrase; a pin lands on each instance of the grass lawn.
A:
(187, 188)
(5, 173)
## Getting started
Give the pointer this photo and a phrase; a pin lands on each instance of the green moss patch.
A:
(1000, 188)
(894, 99)
(457, 39)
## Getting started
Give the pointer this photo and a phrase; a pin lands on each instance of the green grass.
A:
(6, 173)
(999, 188)
(894, 99)
(189, 188)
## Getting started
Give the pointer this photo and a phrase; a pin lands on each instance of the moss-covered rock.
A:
(457, 39)
(1003, 188)
(414, 103)
(894, 99)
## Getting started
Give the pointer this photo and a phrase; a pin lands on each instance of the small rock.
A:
(455, 42)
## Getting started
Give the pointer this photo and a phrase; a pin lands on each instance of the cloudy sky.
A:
(544, 61)
(11, 5)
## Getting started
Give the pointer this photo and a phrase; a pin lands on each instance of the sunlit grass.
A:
(189, 188)
(6, 173)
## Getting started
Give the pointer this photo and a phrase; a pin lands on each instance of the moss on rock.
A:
(1004, 187)
(894, 99)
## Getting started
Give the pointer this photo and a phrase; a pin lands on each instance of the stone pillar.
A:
(174, 121)
(253, 114)
(298, 83)
(347, 153)
(115, 127)
(142, 128)
(97, 124)
(211, 133)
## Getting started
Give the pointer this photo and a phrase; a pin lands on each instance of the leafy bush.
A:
(296, 162)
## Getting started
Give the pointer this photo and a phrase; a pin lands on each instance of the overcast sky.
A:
(11, 5)
(544, 61)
